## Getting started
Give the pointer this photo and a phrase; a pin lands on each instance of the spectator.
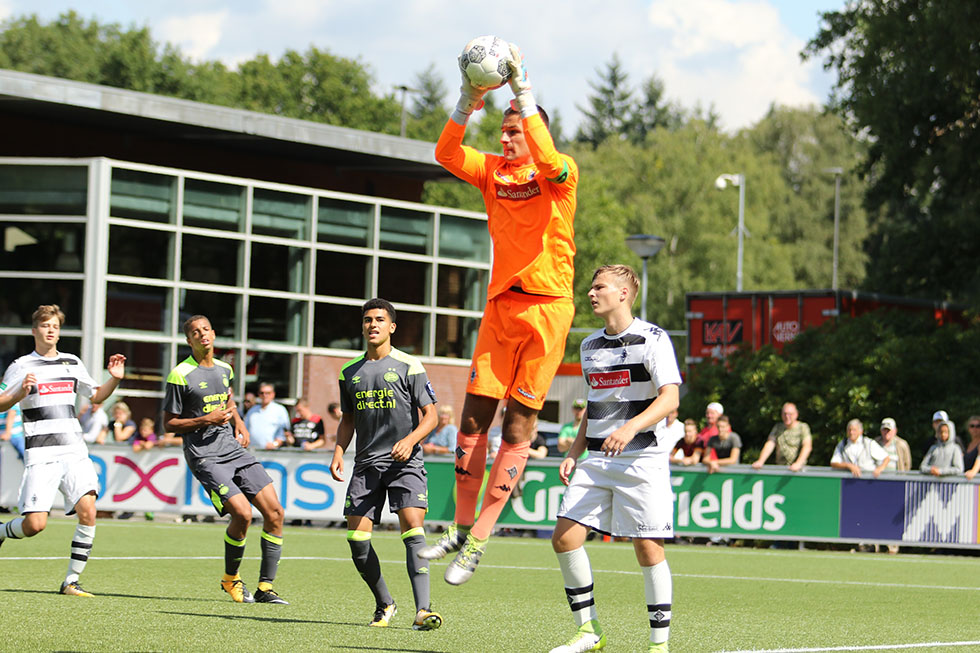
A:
(12, 423)
(673, 430)
(122, 426)
(790, 439)
(713, 411)
(899, 454)
(248, 400)
(857, 453)
(723, 449)
(146, 435)
(494, 435)
(938, 418)
(568, 431)
(307, 426)
(95, 423)
(443, 438)
(971, 461)
(268, 421)
(689, 450)
(538, 447)
(328, 441)
(945, 457)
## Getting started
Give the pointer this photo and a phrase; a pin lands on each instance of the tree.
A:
(428, 114)
(608, 112)
(907, 81)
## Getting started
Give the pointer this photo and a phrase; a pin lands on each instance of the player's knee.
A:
(274, 515)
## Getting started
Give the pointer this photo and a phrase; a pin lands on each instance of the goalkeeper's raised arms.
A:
(519, 82)
(470, 100)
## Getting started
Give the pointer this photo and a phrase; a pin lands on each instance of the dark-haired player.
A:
(382, 393)
(197, 405)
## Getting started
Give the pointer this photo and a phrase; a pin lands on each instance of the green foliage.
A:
(907, 82)
(882, 364)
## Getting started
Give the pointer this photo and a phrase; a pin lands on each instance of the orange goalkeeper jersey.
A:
(530, 209)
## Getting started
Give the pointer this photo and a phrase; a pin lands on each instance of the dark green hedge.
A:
(882, 364)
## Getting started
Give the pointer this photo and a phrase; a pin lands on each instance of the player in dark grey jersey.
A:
(382, 393)
(198, 405)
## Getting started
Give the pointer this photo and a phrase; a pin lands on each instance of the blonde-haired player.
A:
(623, 487)
(530, 196)
(45, 383)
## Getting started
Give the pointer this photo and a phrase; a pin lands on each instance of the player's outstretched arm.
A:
(117, 370)
(17, 392)
(345, 433)
(668, 398)
(519, 82)
(567, 465)
(241, 431)
(402, 450)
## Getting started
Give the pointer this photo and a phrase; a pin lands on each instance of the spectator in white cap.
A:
(899, 454)
(568, 431)
(713, 411)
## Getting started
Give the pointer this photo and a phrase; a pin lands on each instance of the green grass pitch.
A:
(157, 587)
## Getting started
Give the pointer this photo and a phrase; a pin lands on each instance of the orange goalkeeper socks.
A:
(504, 476)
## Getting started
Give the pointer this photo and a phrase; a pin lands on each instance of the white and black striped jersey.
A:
(51, 430)
(625, 372)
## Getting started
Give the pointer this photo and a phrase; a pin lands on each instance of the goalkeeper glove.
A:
(519, 82)
(470, 100)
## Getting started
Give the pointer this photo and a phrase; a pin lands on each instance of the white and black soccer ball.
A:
(484, 62)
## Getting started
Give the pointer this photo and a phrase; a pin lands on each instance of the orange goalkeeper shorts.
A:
(520, 346)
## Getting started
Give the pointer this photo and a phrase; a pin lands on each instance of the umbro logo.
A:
(202, 385)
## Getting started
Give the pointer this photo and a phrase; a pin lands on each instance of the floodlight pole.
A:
(736, 180)
(837, 172)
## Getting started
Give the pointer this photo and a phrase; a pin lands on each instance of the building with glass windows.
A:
(133, 212)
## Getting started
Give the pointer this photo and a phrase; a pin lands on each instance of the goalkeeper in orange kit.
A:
(530, 196)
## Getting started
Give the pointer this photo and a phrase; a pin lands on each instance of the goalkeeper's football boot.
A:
(74, 589)
(588, 638)
(451, 540)
(464, 564)
(658, 648)
(236, 588)
(383, 615)
(427, 620)
(269, 596)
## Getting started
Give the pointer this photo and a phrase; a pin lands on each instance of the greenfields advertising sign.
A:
(763, 505)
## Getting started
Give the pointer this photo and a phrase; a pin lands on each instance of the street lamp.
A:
(405, 91)
(837, 172)
(646, 247)
(737, 180)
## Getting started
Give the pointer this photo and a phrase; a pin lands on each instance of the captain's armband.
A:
(562, 176)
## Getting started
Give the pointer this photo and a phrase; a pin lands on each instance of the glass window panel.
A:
(42, 246)
(412, 334)
(142, 195)
(403, 281)
(456, 336)
(206, 259)
(147, 366)
(344, 223)
(464, 238)
(277, 267)
(276, 320)
(213, 205)
(462, 288)
(21, 297)
(222, 309)
(144, 308)
(281, 214)
(343, 275)
(271, 367)
(140, 252)
(405, 230)
(337, 327)
(43, 190)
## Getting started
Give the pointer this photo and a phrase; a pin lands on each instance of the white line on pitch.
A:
(872, 647)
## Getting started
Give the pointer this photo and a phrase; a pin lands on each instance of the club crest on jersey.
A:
(519, 192)
(55, 387)
(391, 377)
(617, 379)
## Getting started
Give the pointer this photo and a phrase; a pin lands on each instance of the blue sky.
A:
(738, 56)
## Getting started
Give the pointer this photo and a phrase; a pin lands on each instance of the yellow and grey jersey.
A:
(384, 396)
(625, 372)
(193, 391)
(51, 430)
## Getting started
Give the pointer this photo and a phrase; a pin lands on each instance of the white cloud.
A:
(196, 34)
(6, 9)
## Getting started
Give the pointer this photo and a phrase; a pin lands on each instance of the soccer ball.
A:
(484, 62)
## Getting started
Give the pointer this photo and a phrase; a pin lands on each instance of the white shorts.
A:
(621, 497)
(73, 477)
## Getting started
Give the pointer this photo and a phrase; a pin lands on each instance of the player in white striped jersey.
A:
(623, 487)
(45, 383)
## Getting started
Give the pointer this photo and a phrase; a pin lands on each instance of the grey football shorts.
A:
(243, 474)
(404, 486)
